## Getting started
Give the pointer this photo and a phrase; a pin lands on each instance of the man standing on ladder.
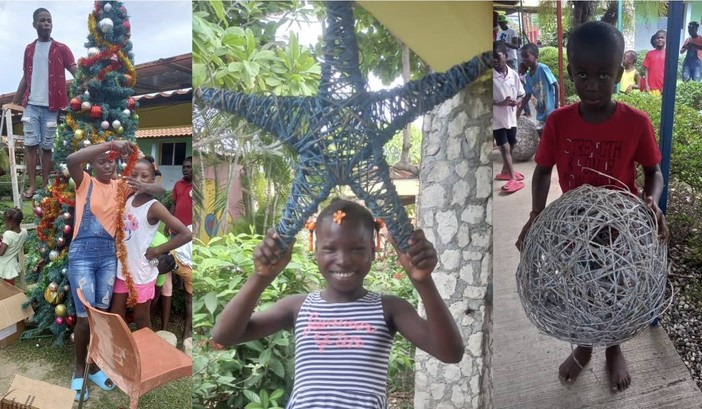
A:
(42, 93)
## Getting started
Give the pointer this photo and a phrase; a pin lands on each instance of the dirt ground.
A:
(39, 359)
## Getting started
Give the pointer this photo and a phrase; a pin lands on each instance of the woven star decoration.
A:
(339, 134)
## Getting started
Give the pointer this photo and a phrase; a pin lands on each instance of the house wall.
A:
(152, 147)
(645, 28)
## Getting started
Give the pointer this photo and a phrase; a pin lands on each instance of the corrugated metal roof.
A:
(167, 132)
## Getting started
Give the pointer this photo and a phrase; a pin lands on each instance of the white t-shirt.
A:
(184, 253)
(39, 91)
(507, 36)
(504, 85)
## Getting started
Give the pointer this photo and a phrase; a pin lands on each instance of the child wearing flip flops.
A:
(92, 259)
(507, 93)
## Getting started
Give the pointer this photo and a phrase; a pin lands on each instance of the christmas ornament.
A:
(72, 337)
(136, 117)
(104, 125)
(86, 94)
(53, 286)
(75, 104)
(78, 134)
(38, 211)
(53, 255)
(72, 183)
(116, 124)
(95, 111)
(127, 26)
(86, 143)
(66, 288)
(93, 51)
(106, 25)
(85, 106)
(120, 130)
(60, 242)
(59, 321)
(131, 103)
(107, 7)
(70, 320)
(67, 229)
(123, 9)
(127, 112)
(67, 216)
(64, 170)
(60, 310)
(52, 297)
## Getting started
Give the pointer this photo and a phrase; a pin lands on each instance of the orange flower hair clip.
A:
(339, 216)
(310, 225)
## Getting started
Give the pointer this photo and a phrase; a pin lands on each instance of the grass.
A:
(39, 359)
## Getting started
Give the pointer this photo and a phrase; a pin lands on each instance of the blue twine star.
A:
(340, 133)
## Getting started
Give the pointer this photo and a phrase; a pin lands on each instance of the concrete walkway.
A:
(525, 363)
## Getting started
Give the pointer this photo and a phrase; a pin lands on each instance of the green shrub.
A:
(549, 57)
(685, 161)
(690, 94)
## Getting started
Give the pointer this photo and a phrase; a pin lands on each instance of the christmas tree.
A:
(101, 110)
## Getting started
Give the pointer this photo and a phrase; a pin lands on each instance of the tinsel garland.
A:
(67, 198)
(92, 27)
(45, 230)
(122, 191)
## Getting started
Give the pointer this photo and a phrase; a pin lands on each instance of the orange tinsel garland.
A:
(122, 190)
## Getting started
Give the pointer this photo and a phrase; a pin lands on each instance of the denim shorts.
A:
(39, 126)
(92, 267)
(692, 70)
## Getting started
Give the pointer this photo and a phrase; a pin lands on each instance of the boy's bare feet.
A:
(576, 361)
(619, 378)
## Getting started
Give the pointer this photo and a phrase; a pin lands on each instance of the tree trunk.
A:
(611, 14)
(583, 11)
(406, 144)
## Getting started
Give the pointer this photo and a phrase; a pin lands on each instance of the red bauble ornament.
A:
(130, 103)
(96, 111)
(127, 26)
(67, 229)
(75, 104)
(70, 320)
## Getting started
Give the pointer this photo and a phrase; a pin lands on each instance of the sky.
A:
(160, 29)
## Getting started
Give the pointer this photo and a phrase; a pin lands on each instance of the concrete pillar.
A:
(455, 210)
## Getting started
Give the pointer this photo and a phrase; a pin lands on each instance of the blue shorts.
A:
(92, 267)
(692, 70)
(39, 126)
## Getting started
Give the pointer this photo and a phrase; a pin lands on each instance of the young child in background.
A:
(141, 219)
(184, 270)
(654, 64)
(692, 68)
(507, 93)
(522, 77)
(594, 63)
(12, 243)
(343, 334)
(540, 83)
(630, 76)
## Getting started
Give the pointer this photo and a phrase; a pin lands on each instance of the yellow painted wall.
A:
(442, 33)
(179, 114)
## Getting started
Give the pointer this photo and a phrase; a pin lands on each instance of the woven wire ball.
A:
(527, 140)
(592, 269)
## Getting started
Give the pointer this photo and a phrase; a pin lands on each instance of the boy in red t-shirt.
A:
(654, 64)
(602, 135)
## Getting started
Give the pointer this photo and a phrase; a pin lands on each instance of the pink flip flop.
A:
(512, 186)
(505, 176)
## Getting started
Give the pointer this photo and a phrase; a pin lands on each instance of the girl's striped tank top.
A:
(341, 354)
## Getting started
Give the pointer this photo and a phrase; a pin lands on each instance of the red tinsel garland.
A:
(122, 191)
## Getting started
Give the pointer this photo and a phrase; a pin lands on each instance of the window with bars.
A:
(172, 153)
